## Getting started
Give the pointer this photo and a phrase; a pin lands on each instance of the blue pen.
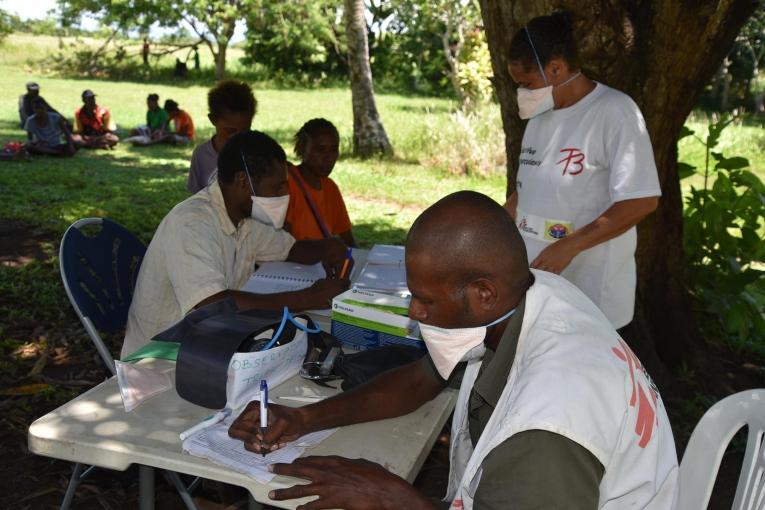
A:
(263, 410)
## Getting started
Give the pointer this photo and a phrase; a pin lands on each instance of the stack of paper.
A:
(215, 445)
(385, 270)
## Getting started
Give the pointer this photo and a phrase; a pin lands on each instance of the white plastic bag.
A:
(138, 384)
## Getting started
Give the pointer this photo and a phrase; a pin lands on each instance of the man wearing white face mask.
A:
(586, 173)
(207, 246)
(554, 409)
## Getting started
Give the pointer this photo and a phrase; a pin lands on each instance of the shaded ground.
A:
(47, 360)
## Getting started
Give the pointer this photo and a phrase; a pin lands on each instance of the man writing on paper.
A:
(207, 246)
(554, 409)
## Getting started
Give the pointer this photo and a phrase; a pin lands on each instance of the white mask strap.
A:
(247, 172)
(536, 55)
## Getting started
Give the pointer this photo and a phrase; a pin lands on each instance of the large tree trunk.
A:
(662, 53)
(369, 137)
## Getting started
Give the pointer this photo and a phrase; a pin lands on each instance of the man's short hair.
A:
(87, 93)
(171, 106)
(231, 96)
(262, 154)
(153, 97)
(32, 86)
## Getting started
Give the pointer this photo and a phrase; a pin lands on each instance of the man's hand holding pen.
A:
(285, 424)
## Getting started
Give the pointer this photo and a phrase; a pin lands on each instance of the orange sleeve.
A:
(334, 210)
(302, 224)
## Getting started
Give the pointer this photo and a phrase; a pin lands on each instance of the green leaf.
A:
(715, 130)
(685, 131)
(685, 170)
(733, 163)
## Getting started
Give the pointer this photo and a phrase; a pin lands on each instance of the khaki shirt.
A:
(196, 252)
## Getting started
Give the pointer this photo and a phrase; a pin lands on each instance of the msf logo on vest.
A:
(572, 162)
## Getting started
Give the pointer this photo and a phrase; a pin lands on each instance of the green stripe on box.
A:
(398, 310)
(367, 324)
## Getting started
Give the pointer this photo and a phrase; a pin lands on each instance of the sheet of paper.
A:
(215, 445)
(384, 277)
(386, 254)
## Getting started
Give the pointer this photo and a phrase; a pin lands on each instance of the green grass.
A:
(137, 186)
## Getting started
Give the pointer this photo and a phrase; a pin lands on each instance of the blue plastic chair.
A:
(99, 274)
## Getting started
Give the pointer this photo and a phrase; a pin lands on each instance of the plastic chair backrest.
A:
(708, 443)
(99, 274)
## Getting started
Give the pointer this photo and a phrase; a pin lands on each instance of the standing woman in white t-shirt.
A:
(586, 173)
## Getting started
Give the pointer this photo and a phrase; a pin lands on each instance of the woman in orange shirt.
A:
(316, 209)
(182, 123)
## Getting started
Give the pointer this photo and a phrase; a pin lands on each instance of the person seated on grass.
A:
(554, 409)
(206, 248)
(156, 120)
(47, 132)
(317, 209)
(231, 106)
(94, 124)
(26, 109)
(183, 126)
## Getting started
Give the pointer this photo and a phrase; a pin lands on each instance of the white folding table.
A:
(95, 429)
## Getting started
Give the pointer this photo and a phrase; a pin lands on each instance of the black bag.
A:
(362, 366)
(209, 337)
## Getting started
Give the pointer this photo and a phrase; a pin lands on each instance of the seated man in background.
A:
(47, 132)
(231, 106)
(554, 409)
(26, 109)
(207, 246)
(94, 124)
(156, 120)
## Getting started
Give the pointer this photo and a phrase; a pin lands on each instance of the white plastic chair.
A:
(708, 443)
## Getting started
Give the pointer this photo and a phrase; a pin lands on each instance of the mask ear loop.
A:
(247, 172)
(287, 316)
(536, 55)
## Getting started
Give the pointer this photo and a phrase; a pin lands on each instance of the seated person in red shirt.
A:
(94, 124)
(45, 131)
(317, 209)
(183, 126)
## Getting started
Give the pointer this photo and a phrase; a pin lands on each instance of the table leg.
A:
(146, 487)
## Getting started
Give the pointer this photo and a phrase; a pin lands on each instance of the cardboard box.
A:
(363, 319)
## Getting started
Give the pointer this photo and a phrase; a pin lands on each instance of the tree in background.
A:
(661, 53)
(302, 40)
(213, 21)
(369, 137)
(7, 22)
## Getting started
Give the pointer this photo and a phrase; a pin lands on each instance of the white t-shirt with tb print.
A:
(575, 163)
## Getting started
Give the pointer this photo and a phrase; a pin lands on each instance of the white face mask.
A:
(270, 211)
(448, 347)
(533, 102)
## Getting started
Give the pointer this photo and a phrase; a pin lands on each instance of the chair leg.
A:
(183, 491)
(74, 482)
(146, 487)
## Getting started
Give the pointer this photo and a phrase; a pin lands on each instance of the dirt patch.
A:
(22, 243)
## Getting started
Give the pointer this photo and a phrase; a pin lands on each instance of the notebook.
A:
(273, 277)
